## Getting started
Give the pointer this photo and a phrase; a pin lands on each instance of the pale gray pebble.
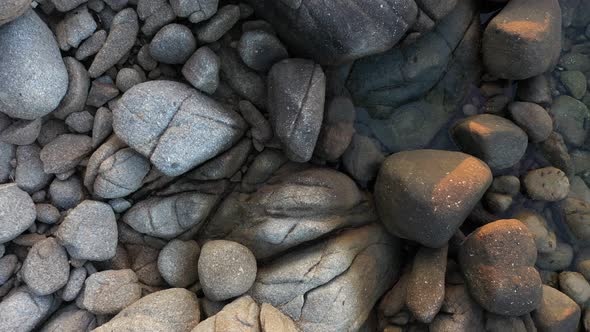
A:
(226, 269)
(173, 44)
(79, 83)
(102, 90)
(65, 175)
(159, 18)
(92, 45)
(197, 11)
(46, 268)
(120, 205)
(120, 40)
(47, 213)
(261, 129)
(22, 132)
(11, 9)
(50, 130)
(70, 319)
(116, 5)
(66, 194)
(108, 292)
(29, 174)
(89, 231)
(65, 152)
(260, 50)
(177, 263)
(121, 174)
(22, 310)
(80, 122)
(258, 25)
(75, 27)
(145, 59)
(202, 70)
(18, 212)
(102, 126)
(30, 51)
(74, 284)
(219, 24)
(146, 8)
(547, 184)
(67, 5)
(8, 265)
(127, 78)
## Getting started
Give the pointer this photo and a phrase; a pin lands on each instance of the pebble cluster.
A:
(294, 165)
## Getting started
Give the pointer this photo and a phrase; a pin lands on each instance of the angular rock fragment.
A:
(498, 263)
(296, 92)
(46, 268)
(18, 211)
(155, 14)
(188, 129)
(33, 77)
(427, 201)
(80, 122)
(261, 129)
(108, 292)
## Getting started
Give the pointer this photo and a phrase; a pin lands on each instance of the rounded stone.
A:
(425, 195)
(173, 44)
(533, 119)
(18, 212)
(570, 116)
(178, 261)
(260, 50)
(226, 269)
(547, 184)
(46, 268)
(575, 83)
(557, 312)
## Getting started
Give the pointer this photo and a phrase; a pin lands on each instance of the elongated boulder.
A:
(175, 126)
(33, 77)
(425, 195)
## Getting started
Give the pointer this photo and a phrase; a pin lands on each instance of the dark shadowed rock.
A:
(66, 194)
(571, 118)
(556, 312)
(30, 51)
(196, 11)
(425, 195)
(260, 50)
(223, 20)
(459, 312)
(337, 129)
(173, 44)
(426, 283)
(533, 119)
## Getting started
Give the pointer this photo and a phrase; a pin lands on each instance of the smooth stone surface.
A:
(70, 318)
(202, 70)
(546, 184)
(557, 312)
(178, 262)
(46, 268)
(575, 83)
(574, 285)
(260, 50)
(495, 140)
(570, 116)
(21, 310)
(22, 132)
(173, 44)
(29, 174)
(18, 211)
(544, 236)
(76, 26)
(33, 77)
(108, 292)
(426, 283)
(121, 174)
(65, 152)
(426, 201)
(80, 122)
(223, 20)
(66, 194)
(533, 119)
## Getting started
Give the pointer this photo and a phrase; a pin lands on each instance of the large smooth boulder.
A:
(174, 125)
(33, 76)
(425, 195)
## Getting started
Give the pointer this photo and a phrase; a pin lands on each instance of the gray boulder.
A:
(30, 51)
(177, 262)
(173, 44)
(29, 174)
(65, 152)
(296, 92)
(121, 174)
(18, 212)
(108, 292)
(22, 310)
(188, 129)
(46, 268)
(70, 319)
(11, 9)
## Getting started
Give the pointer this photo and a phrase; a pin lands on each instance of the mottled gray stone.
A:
(102, 90)
(177, 263)
(144, 58)
(74, 284)
(7, 154)
(158, 15)
(70, 319)
(46, 268)
(144, 261)
(65, 152)
(121, 174)
(102, 126)
(260, 50)
(18, 212)
(47, 213)
(571, 117)
(66, 194)
(223, 20)
(102, 153)
(546, 184)
(201, 70)
(296, 92)
(79, 83)
(50, 130)
(21, 310)
(173, 44)
(189, 128)
(195, 10)
(127, 78)
(92, 45)
(108, 292)
(245, 82)
(30, 51)
(80, 122)
(11, 9)
(29, 174)
(533, 119)
(8, 265)
(225, 165)
(22, 132)
(76, 26)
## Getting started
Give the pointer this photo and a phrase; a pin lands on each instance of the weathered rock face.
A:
(33, 77)
(289, 210)
(315, 28)
(331, 286)
(174, 125)
(523, 40)
(424, 201)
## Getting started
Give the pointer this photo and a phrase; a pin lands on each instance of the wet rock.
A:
(89, 231)
(261, 129)
(320, 35)
(425, 201)
(557, 312)
(65, 152)
(74, 284)
(543, 235)
(189, 129)
(173, 309)
(546, 184)
(80, 122)
(30, 51)
(574, 82)
(523, 40)
(168, 217)
(173, 44)
(533, 119)
(108, 292)
(260, 50)
(70, 318)
(120, 40)
(22, 132)
(574, 285)
(555, 151)
(196, 11)
(18, 212)
(426, 283)
(121, 174)
(21, 310)
(91, 46)
(12, 9)
(498, 263)
(535, 90)
(29, 174)
(223, 20)
(46, 268)
(558, 259)
(319, 287)
(226, 269)
(76, 26)
(337, 129)
(570, 115)
(296, 92)
(66, 194)
(327, 201)
(177, 262)
(577, 218)
(202, 70)
(225, 165)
